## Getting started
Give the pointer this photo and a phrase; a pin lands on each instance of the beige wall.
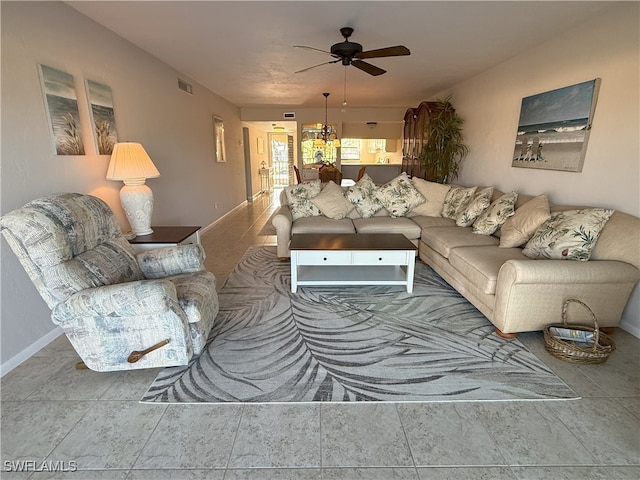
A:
(175, 128)
(606, 48)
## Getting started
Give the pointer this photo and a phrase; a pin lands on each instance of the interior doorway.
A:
(281, 145)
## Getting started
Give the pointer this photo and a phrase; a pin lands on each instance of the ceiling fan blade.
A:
(319, 65)
(313, 48)
(367, 67)
(396, 51)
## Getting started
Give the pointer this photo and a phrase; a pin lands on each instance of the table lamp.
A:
(131, 164)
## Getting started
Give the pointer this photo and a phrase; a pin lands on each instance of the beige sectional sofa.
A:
(515, 292)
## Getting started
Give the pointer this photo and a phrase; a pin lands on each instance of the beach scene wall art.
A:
(553, 129)
(61, 103)
(103, 120)
(218, 138)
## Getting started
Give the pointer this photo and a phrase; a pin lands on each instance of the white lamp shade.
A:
(131, 163)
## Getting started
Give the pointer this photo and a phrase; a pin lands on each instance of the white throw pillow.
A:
(495, 216)
(399, 196)
(332, 203)
(299, 197)
(363, 196)
(457, 200)
(478, 205)
(568, 235)
(434, 194)
(525, 221)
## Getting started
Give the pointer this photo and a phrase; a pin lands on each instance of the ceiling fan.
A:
(350, 53)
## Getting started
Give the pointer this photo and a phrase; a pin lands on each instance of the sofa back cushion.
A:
(518, 229)
(434, 194)
(619, 240)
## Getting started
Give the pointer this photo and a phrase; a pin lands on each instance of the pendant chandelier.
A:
(327, 137)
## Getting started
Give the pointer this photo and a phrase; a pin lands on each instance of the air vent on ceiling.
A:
(289, 115)
(185, 87)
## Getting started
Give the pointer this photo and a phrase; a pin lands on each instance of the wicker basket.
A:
(587, 344)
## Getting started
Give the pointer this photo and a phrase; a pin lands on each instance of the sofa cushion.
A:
(444, 239)
(387, 225)
(434, 194)
(299, 197)
(457, 200)
(363, 196)
(480, 202)
(569, 235)
(332, 203)
(427, 222)
(518, 229)
(480, 265)
(322, 224)
(495, 216)
(399, 196)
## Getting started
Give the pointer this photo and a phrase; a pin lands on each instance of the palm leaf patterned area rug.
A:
(350, 344)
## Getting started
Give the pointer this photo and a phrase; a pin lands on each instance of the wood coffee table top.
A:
(350, 241)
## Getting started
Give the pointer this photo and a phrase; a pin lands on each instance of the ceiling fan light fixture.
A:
(351, 53)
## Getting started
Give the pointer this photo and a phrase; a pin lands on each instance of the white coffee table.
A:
(352, 259)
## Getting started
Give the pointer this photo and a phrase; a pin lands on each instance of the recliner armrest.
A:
(131, 299)
(168, 261)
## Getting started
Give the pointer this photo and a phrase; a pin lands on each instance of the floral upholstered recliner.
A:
(112, 303)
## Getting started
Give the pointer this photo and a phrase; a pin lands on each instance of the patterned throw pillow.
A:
(457, 200)
(434, 193)
(478, 205)
(299, 197)
(399, 196)
(495, 216)
(331, 202)
(518, 229)
(363, 196)
(569, 235)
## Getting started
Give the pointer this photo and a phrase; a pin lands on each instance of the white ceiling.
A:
(244, 50)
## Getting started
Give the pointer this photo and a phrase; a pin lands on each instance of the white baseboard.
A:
(211, 225)
(632, 329)
(30, 351)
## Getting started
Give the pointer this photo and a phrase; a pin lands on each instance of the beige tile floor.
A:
(53, 413)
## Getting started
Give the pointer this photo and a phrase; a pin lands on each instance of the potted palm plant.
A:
(443, 150)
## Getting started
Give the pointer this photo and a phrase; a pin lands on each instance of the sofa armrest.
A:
(568, 271)
(530, 293)
(282, 221)
(167, 261)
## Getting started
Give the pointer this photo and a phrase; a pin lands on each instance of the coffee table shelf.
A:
(351, 275)
(352, 259)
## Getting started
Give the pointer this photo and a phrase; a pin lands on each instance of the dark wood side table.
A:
(166, 237)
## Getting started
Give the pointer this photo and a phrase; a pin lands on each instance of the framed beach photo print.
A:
(61, 104)
(102, 118)
(553, 129)
(218, 137)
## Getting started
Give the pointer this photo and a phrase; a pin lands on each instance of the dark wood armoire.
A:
(414, 136)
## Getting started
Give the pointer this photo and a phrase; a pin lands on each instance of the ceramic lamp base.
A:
(137, 201)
